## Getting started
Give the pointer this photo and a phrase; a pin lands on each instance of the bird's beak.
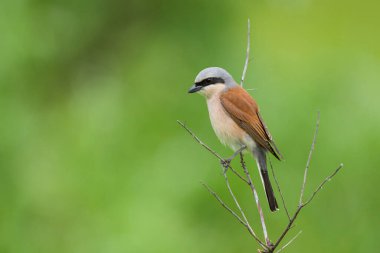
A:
(195, 88)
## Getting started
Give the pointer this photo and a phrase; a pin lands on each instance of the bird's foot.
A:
(226, 163)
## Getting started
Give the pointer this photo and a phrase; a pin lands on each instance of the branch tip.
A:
(247, 59)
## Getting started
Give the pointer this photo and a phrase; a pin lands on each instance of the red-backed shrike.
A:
(236, 120)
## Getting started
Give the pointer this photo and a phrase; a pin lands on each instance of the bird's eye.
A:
(208, 80)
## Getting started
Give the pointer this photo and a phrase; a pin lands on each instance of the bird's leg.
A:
(226, 162)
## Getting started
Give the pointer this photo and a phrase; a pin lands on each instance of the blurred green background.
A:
(91, 156)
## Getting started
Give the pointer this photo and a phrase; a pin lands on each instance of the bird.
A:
(236, 121)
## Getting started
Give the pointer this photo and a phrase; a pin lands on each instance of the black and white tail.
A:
(262, 165)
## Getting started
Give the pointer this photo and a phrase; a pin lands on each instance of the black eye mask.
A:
(209, 81)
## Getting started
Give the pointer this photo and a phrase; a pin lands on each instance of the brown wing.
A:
(244, 111)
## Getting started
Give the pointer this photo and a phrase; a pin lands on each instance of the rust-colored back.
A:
(244, 111)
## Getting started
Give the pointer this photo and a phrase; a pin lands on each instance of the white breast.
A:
(228, 132)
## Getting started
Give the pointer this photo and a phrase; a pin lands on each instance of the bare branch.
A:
(227, 166)
(200, 142)
(241, 210)
(211, 151)
(300, 207)
(308, 160)
(268, 247)
(286, 230)
(301, 204)
(247, 56)
(223, 204)
(286, 245)
(322, 184)
(260, 210)
(279, 189)
(244, 221)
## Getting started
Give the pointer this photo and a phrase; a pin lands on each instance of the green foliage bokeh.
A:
(91, 156)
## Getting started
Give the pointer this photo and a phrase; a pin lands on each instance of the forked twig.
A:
(241, 210)
(309, 159)
(322, 184)
(227, 166)
(299, 208)
(267, 248)
(301, 205)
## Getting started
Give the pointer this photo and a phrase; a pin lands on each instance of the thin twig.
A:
(306, 203)
(211, 151)
(300, 207)
(265, 232)
(199, 141)
(247, 56)
(241, 210)
(227, 166)
(286, 230)
(269, 248)
(234, 214)
(223, 204)
(322, 184)
(279, 189)
(291, 240)
(301, 204)
(308, 160)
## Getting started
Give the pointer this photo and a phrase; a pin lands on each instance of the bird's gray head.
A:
(208, 78)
